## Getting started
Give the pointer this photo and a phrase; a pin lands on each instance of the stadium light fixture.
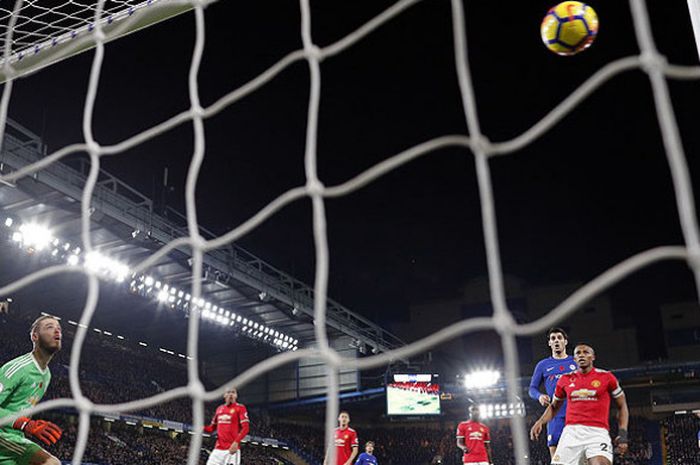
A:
(35, 236)
(481, 379)
(163, 296)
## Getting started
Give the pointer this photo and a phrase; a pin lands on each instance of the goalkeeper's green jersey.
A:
(22, 385)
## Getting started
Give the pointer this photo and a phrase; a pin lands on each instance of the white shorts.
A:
(579, 443)
(222, 457)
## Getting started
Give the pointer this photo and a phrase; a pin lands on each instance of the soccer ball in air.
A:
(569, 28)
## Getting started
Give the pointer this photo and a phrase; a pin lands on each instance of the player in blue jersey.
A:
(367, 457)
(548, 371)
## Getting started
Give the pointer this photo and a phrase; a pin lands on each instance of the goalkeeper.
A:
(23, 382)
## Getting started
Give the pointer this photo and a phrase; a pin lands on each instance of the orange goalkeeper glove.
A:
(44, 431)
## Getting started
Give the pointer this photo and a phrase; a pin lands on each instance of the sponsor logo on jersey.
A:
(224, 418)
(583, 394)
(595, 383)
(476, 435)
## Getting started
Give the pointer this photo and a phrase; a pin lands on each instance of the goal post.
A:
(44, 36)
(694, 7)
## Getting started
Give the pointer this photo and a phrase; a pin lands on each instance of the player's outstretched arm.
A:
(44, 431)
(623, 417)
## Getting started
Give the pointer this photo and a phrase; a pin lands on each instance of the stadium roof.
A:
(128, 227)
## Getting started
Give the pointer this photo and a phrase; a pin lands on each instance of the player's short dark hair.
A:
(584, 343)
(344, 412)
(35, 326)
(556, 329)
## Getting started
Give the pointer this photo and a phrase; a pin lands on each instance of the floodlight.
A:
(481, 379)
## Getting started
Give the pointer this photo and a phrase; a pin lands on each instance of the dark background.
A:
(591, 192)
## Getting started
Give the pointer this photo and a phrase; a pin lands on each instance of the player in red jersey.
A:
(232, 425)
(474, 439)
(346, 442)
(586, 435)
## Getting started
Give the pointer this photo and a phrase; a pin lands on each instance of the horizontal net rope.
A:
(649, 60)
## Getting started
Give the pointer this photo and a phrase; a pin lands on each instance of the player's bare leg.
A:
(599, 460)
(552, 451)
(41, 457)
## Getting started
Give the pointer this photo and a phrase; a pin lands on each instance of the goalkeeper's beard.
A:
(49, 348)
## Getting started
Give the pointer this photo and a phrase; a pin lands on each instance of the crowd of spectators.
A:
(681, 437)
(121, 444)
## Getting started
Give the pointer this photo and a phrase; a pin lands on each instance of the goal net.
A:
(34, 36)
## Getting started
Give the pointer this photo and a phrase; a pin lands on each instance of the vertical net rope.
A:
(649, 60)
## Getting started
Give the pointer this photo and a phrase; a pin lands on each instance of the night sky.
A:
(590, 193)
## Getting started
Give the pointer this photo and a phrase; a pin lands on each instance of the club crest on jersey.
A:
(572, 366)
(595, 383)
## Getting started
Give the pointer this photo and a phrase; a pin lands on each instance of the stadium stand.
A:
(680, 435)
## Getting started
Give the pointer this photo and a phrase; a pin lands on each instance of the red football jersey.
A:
(475, 435)
(345, 440)
(231, 423)
(588, 396)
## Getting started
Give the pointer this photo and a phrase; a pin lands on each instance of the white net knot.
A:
(331, 357)
(313, 52)
(196, 388)
(197, 112)
(694, 259)
(92, 147)
(314, 187)
(198, 242)
(503, 322)
(652, 61)
(481, 144)
(83, 404)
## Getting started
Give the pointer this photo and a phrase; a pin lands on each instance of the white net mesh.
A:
(38, 22)
(501, 321)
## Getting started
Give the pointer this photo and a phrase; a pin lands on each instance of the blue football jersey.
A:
(548, 371)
